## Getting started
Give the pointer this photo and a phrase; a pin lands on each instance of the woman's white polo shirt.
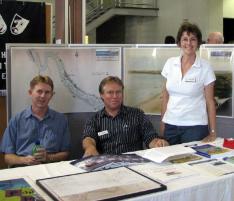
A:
(187, 105)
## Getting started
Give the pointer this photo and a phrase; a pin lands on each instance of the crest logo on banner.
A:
(19, 23)
(3, 26)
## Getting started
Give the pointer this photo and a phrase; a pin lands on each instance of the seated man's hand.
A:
(91, 151)
(29, 160)
(157, 142)
(89, 145)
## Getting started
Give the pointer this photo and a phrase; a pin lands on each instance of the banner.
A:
(20, 22)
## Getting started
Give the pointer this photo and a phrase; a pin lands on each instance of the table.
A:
(202, 187)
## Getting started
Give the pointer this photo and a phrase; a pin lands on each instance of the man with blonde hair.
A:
(37, 124)
(118, 128)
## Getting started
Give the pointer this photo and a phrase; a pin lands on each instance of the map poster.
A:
(76, 73)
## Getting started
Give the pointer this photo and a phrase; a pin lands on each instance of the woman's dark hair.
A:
(189, 28)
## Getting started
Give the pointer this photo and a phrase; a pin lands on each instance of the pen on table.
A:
(191, 145)
(203, 154)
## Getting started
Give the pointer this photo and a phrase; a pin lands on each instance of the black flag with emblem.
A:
(20, 22)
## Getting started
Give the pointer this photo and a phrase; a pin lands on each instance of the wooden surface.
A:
(48, 23)
(60, 20)
(3, 123)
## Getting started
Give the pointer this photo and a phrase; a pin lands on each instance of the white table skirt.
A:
(201, 187)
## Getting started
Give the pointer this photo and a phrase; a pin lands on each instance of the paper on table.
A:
(214, 167)
(166, 173)
(161, 154)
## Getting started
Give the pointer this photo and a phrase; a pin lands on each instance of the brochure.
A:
(161, 154)
(18, 189)
(212, 151)
(102, 162)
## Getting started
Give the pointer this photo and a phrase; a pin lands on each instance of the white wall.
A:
(228, 8)
(215, 15)
(207, 14)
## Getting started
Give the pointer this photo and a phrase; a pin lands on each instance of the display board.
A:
(78, 69)
(76, 73)
(222, 61)
(143, 80)
(142, 75)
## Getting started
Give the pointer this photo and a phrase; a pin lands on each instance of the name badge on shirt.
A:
(190, 80)
(102, 133)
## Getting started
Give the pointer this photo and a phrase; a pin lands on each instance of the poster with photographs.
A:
(221, 59)
(142, 76)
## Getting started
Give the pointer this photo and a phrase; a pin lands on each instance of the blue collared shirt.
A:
(25, 129)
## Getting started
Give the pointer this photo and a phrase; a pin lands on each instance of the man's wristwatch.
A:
(161, 137)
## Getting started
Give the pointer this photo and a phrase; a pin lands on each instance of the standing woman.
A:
(188, 108)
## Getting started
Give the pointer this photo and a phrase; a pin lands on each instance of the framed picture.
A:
(112, 184)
